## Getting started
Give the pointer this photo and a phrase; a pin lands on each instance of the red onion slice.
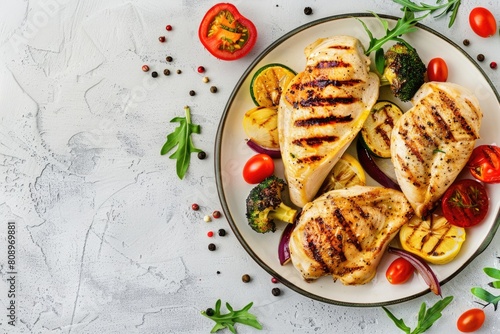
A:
(283, 246)
(370, 166)
(422, 267)
(273, 153)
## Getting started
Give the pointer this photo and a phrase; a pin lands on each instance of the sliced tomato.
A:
(465, 203)
(225, 33)
(399, 271)
(257, 168)
(484, 163)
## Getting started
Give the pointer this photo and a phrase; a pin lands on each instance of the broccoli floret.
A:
(264, 204)
(404, 71)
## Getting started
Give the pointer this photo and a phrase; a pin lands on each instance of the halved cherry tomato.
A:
(471, 320)
(482, 22)
(484, 163)
(257, 168)
(465, 203)
(399, 271)
(437, 70)
(225, 33)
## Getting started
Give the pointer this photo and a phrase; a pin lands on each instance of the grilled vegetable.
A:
(264, 204)
(433, 239)
(261, 126)
(346, 173)
(268, 83)
(376, 131)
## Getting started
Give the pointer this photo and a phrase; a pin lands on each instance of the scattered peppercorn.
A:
(480, 57)
(166, 71)
(201, 69)
(202, 155)
(466, 42)
(169, 59)
(245, 278)
(216, 214)
(308, 11)
(207, 219)
(154, 74)
(493, 65)
(274, 280)
(218, 272)
(211, 247)
(145, 68)
(195, 207)
(205, 79)
(210, 234)
(213, 89)
(222, 232)
(210, 312)
(168, 27)
(162, 39)
(276, 291)
(192, 93)
(179, 71)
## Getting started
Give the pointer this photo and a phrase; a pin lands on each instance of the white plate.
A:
(232, 153)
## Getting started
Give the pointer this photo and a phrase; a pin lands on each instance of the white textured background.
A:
(107, 242)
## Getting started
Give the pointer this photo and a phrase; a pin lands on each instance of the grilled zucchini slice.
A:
(268, 83)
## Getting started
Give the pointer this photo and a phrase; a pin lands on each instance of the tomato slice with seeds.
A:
(465, 203)
(225, 33)
(484, 163)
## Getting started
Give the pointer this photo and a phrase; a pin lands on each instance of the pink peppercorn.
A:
(274, 280)
(168, 27)
(201, 69)
(493, 65)
(195, 207)
(162, 39)
(145, 68)
(210, 234)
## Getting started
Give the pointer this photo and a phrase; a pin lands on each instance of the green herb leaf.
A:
(230, 319)
(492, 272)
(494, 284)
(488, 297)
(426, 317)
(404, 25)
(181, 137)
(442, 9)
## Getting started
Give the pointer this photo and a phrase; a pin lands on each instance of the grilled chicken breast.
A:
(322, 110)
(432, 142)
(345, 232)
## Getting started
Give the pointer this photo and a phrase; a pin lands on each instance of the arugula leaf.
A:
(230, 319)
(181, 137)
(426, 317)
(483, 294)
(447, 7)
(492, 272)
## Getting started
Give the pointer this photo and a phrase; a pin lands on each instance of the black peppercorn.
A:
(166, 71)
(210, 312)
(276, 291)
(211, 247)
(192, 93)
(154, 74)
(169, 59)
(202, 155)
(466, 42)
(245, 278)
(222, 232)
(308, 11)
(213, 89)
(179, 71)
(480, 57)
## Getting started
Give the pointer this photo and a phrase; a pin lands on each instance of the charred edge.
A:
(324, 101)
(321, 121)
(450, 103)
(323, 83)
(313, 243)
(440, 123)
(347, 227)
(310, 159)
(332, 64)
(314, 141)
(340, 47)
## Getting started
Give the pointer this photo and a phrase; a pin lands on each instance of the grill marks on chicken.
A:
(322, 110)
(344, 233)
(432, 142)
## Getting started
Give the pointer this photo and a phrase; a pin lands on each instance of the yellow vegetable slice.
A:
(268, 83)
(434, 239)
(261, 126)
(346, 173)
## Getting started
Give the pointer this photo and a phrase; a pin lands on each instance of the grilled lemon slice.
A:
(346, 173)
(269, 82)
(434, 239)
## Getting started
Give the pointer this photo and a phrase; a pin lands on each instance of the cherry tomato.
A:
(257, 168)
(484, 163)
(482, 22)
(399, 271)
(465, 203)
(437, 70)
(471, 320)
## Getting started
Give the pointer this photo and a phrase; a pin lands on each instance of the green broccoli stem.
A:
(284, 213)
